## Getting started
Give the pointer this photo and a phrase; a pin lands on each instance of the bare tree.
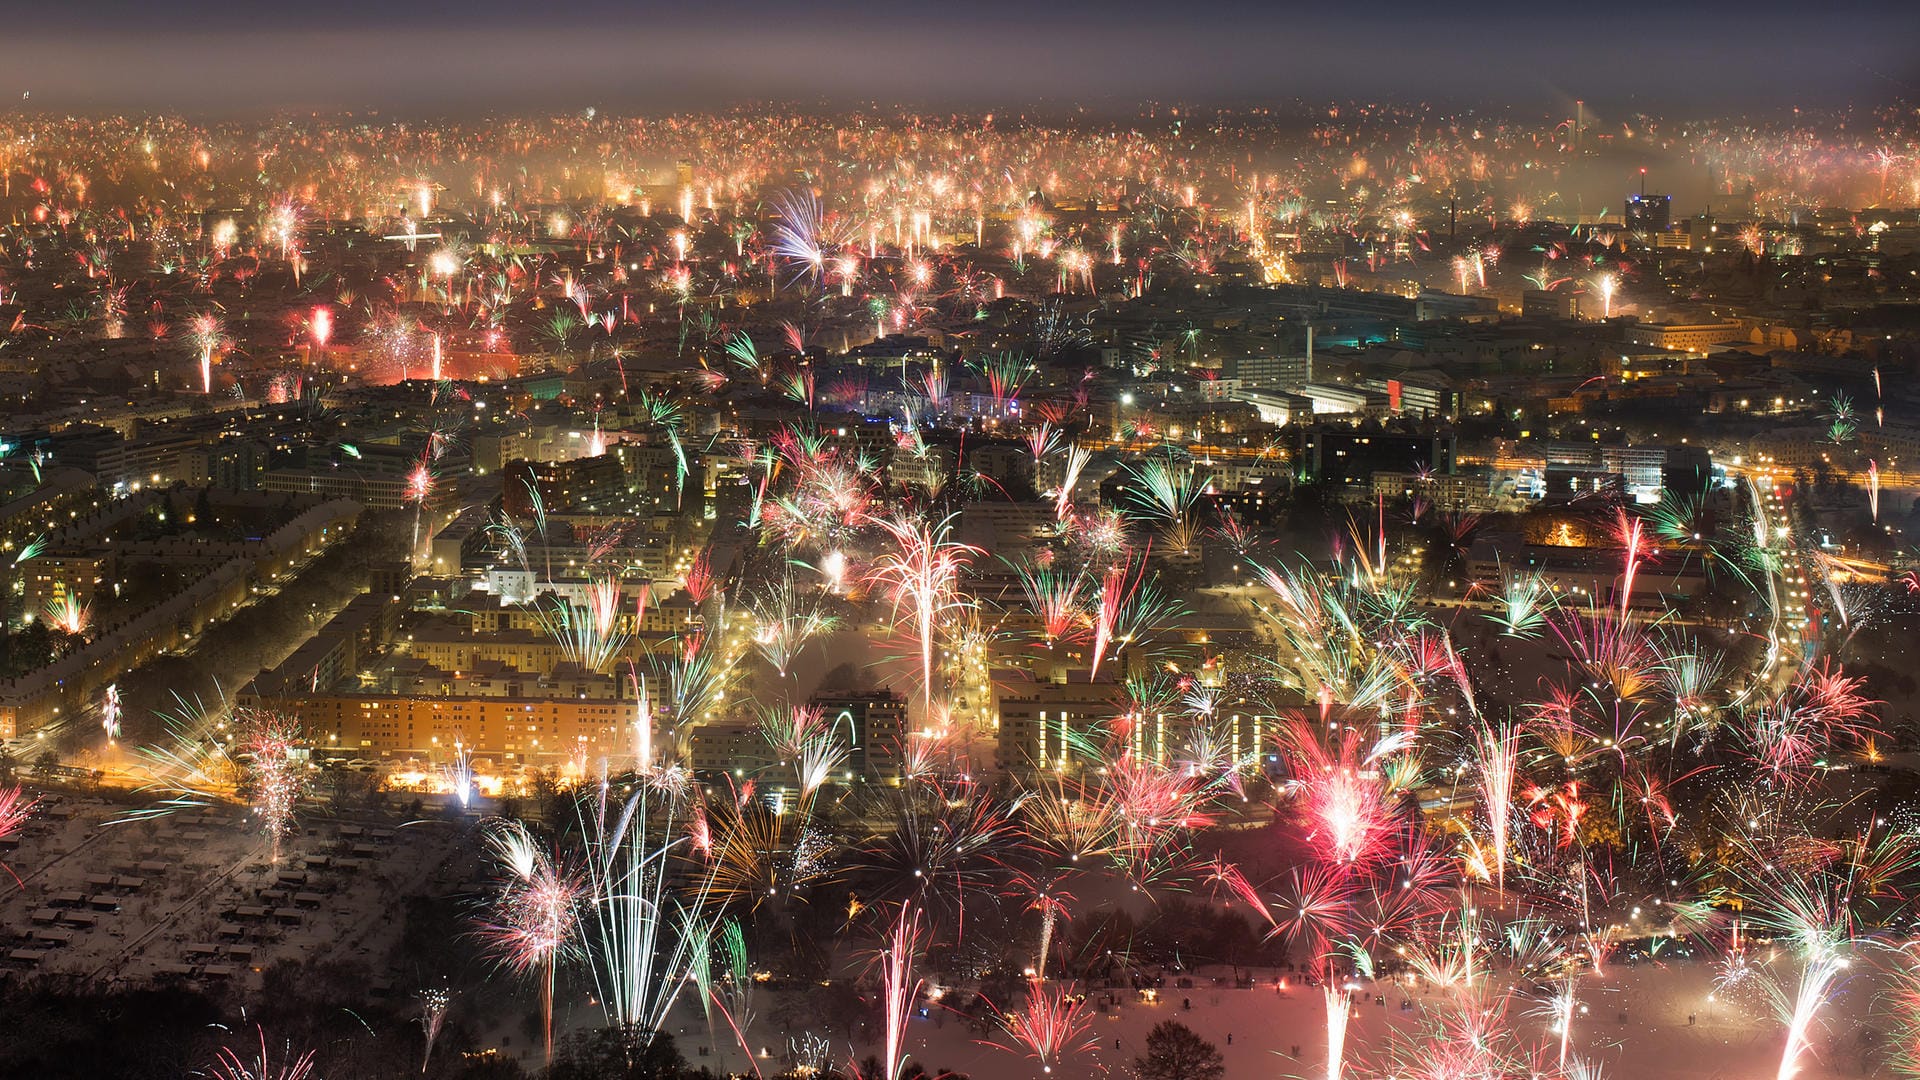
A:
(1177, 1052)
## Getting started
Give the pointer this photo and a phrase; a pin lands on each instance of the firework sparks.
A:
(434, 1003)
(1499, 752)
(899, 987)
(1054, 1025)
(110, 711)
(536, 915)
(260, 1064)
(921, 571)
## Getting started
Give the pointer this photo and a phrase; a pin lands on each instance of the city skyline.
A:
(884, 542)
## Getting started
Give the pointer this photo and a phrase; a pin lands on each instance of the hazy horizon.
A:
(223, 57)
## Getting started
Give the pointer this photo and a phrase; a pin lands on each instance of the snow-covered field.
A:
(194, 896)
(168, 892)
(1637, 1023)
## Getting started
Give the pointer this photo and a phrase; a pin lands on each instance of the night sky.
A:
(487, 56)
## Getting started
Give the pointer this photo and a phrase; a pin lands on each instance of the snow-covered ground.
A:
(194, 896)
(1638, 1023)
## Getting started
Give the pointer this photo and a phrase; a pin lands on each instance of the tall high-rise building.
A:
(1649, 213)
(875, 726)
